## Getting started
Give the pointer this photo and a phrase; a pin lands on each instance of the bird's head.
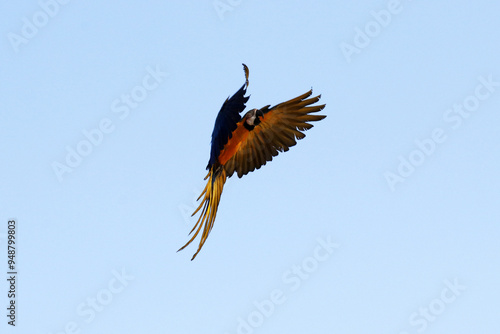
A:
(252, 117)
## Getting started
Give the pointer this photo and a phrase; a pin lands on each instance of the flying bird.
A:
(243, 144)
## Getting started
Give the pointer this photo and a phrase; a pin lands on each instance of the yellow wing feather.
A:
(211, 199)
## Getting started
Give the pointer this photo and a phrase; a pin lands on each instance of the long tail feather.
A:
(211, 198)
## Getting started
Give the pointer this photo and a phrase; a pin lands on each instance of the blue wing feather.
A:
(227, 120)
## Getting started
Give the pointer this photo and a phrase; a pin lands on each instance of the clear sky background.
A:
(385, 219)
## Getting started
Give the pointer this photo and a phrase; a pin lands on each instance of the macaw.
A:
(242, 144)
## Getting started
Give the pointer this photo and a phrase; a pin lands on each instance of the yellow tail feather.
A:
(210, 203)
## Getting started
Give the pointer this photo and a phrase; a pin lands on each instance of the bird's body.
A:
(234, 143)
(243, 144)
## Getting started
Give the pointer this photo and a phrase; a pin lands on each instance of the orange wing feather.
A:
(277, 131)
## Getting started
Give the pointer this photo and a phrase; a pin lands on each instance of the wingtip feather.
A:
(247, 73)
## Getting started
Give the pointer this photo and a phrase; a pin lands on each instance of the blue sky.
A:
(385, 219)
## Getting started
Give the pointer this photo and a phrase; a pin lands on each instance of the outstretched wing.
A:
(277, 131)
(227, 120)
